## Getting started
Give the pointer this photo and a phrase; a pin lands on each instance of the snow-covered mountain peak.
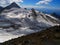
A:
(12, 5)
(22, 22)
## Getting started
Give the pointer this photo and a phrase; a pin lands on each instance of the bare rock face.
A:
(50, 36)
(12, 5)
(34, 13)
(1, 8)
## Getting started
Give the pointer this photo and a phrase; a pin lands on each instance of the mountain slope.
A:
(12, 5)
(25, 21)
(50, 36)
(56, 15)
(46, 18)
(1, 8)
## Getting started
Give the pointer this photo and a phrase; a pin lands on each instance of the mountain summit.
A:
(12, 5)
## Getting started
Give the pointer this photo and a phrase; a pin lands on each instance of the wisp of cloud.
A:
(7, 2)
(43, 2)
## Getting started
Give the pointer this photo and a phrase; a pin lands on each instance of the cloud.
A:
(40, 7)
(15, 1)
(7, 2)
(43, 2)
(33, 6)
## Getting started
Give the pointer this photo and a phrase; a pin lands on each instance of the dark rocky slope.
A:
(12, 5)
(1, 8)
(50, 36)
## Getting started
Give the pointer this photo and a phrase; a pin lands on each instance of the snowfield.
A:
(8, 34)
(27, 23)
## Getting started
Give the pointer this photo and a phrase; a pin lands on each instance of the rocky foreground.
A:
(50, 36)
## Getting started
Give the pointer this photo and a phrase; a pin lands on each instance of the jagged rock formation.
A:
(50, 36)
(34, 13)
(1, 9)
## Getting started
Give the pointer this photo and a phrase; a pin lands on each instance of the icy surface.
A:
(7, 34)
(27, 24)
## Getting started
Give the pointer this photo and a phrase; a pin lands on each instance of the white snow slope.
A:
(28, 24)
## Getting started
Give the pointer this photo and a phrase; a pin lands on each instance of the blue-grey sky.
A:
(42, 3)
(51, 4)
